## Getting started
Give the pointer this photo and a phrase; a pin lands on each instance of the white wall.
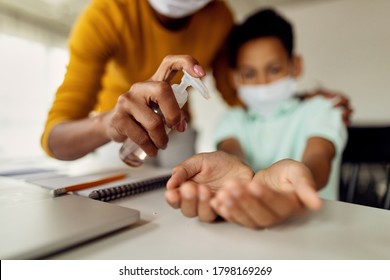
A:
(346, 48)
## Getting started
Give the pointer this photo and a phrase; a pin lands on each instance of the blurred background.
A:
(345, 45)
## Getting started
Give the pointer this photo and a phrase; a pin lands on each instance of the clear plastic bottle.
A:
(130, 152)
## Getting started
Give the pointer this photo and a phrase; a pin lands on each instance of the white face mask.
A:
(268, 99)
(177, 8)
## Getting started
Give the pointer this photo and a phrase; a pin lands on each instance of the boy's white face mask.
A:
(177, 8)
(268, 99)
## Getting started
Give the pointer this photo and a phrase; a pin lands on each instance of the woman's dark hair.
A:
(264, 23)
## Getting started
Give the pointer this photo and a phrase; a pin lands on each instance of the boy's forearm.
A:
(318, 157)
(320, 168)
(233, 147)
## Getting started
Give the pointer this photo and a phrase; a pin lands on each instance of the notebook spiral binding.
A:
(112, 193)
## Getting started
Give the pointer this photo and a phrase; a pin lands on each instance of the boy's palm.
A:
(211, 169)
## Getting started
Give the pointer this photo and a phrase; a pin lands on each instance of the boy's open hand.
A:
(194, 182)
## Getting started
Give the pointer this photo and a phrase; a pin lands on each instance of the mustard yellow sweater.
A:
(116, 43)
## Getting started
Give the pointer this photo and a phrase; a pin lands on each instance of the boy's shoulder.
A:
(236, 110)
(317, 103)
(319, 107)
(236, 113)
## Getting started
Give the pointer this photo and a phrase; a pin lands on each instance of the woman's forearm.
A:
(74, 139)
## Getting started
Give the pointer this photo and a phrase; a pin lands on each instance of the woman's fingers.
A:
(142, 113)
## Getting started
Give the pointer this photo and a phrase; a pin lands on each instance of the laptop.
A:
(35, 225)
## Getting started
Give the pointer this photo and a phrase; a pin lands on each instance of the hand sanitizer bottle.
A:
(130, 152)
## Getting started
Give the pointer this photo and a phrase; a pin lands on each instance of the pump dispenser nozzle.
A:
(131, 153)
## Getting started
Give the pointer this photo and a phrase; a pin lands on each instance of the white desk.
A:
(338, 231)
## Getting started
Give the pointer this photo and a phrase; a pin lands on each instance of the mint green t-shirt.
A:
(266, 140)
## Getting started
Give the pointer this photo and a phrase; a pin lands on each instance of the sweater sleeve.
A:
(92, 43)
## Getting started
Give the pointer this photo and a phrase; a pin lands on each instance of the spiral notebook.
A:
(137, 180)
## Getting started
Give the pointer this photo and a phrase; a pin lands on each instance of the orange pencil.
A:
(82, 186)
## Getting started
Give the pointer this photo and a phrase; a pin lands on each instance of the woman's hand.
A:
(341, 101)
(133, 116)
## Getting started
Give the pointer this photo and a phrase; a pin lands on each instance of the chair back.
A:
(367, 148)
(368, 145)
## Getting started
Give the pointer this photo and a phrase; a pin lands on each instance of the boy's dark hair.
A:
(264, 23)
